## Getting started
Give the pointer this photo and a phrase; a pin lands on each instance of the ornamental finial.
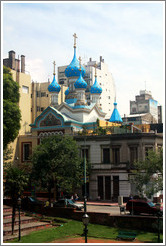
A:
(54, 68)
(95, 70)
(75, 36)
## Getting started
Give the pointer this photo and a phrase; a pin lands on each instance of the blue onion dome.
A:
(73, 69)
(67, 91)
(80, 82)
(96, 88)
(54, 86)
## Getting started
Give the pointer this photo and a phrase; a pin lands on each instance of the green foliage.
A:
(56, 161)
(11, 111)
(16, 182)
(148, 176)
(10, 87)
(7, 156)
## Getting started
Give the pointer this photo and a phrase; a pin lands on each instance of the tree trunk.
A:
(54, 190)
(49, 195)
(13, 215)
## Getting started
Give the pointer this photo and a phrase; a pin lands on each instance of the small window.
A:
(42, 109)
(116, 155)
(26, 151)
(86, 153)
(106, 155)
(43, 94)
(25, 89)
(38, 93)
(133, 154)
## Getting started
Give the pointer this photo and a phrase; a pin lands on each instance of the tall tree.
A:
(56, 161)
(16, 182)
(11, 111)
(148, 174)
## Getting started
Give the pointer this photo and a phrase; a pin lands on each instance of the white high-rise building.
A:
(105, 80)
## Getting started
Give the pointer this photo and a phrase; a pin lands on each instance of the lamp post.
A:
(85, 220)
(19, 206)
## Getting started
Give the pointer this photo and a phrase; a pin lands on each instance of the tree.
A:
(11, 111)
(148, 174)
(7, 157)
(56, 162)
(16, 182)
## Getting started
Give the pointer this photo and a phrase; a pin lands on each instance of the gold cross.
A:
(54, 67)
(75, 36)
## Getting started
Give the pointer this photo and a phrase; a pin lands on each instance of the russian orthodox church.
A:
(74, 114)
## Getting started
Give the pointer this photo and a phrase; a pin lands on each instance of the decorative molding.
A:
(50, 120)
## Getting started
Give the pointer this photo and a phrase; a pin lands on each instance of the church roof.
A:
(80, 82)
(54, 86)
(73, 69)
(115, 117)
(96, 88)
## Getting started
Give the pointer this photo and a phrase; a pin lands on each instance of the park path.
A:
(92, 240)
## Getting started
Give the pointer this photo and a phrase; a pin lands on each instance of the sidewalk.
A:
(100, 203)
(92, 240)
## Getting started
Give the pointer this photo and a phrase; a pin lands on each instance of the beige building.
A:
(24, 80)
(41, 98)
(34, 98)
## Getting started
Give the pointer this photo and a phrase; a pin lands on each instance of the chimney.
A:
(18, 65)
(12, 63)
(101, 59)
(90, 59)
(22, 64)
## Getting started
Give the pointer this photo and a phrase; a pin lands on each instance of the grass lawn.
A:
(73, 228)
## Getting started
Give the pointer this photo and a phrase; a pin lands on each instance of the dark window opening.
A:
(116, 155)
(43, 94)
(106, 155)
(133, 154)
(26, 151)
(86, 153)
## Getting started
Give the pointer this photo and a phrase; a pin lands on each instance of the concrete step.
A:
(25, 227)
(9, 237)
(8, 215)
(24, 219)
(7, 209)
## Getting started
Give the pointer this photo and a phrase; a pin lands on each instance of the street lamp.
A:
(19, 206)
(85, 191)
(85, 220)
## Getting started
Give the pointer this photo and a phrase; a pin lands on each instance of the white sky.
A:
(128, 35)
